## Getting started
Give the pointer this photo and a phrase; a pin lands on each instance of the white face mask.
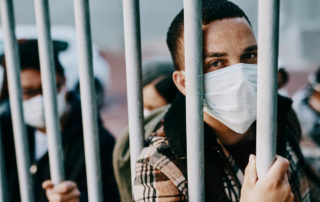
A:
(33, 109)
(230, 96)
(146, 112)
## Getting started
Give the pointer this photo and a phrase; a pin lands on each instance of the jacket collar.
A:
(175, 128)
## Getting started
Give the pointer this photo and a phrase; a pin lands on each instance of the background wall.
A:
(299, 34)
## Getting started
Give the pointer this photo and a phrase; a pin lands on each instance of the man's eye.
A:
(252, 55)
(249, 56)
(216, 63)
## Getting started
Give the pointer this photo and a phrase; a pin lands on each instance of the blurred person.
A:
(306, 104)
(230, 74)
(158, 91)
(74, 188)
(157, 84)
(65, 37)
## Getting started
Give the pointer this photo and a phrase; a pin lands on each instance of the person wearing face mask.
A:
(158, 92)
(230, 85)
(307, 106)
(74, 188)
(157, 85)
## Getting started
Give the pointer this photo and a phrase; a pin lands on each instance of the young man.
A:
(69, 110)
(229, 66)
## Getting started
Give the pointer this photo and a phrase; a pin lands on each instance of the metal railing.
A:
(89, 110)
(88, 100)
(13, 72)
(266, 112)
(48, 76)
(194, 98)
(131, 16)
(268, 37)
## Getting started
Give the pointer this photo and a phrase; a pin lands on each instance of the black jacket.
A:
(74, 158)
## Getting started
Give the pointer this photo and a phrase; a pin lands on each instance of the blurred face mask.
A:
(33, 109)
(230, 96)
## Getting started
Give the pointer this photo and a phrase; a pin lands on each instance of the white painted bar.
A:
(49, 91)
(14, 85)
(131, 17)
(268, 38)
(88, 101)
(194, 98)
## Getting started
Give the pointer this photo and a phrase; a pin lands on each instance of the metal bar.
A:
(88, 100)
(194, 98)
(48, 77)
(3, 179)
(268, 38)
(13, 73)
(131, 17)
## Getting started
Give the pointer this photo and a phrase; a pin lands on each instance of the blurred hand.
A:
(273, 187)
(66, 191)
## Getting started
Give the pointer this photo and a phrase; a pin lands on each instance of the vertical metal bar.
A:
(268, 38)
(13, 72)
(3, 179)
(88, 100)
(194, 98)
(48, 77)
(131, 17)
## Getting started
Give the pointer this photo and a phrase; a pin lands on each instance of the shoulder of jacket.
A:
(166, 164)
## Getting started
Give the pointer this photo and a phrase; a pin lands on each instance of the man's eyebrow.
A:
(214, 55)
(251, 48)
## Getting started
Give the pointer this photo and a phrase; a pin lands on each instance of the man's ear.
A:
(179, 79)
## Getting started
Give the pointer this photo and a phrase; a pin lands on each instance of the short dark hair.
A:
(211, 10)
(29, 55)
(284, 75)
(167, 89)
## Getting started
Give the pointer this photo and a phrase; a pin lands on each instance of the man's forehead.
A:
(227, 26)
(226, 34)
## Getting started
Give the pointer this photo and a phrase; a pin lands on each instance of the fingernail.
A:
(251, 157)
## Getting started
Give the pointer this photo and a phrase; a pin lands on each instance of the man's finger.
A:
(47, 184)
(278, 170)
(250, 176)
(64, 187)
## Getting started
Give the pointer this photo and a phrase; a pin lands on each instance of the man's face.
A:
(225, 42)
(31, 83)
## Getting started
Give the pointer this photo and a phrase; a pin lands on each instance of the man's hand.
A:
(66, 191)
(273, 187)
